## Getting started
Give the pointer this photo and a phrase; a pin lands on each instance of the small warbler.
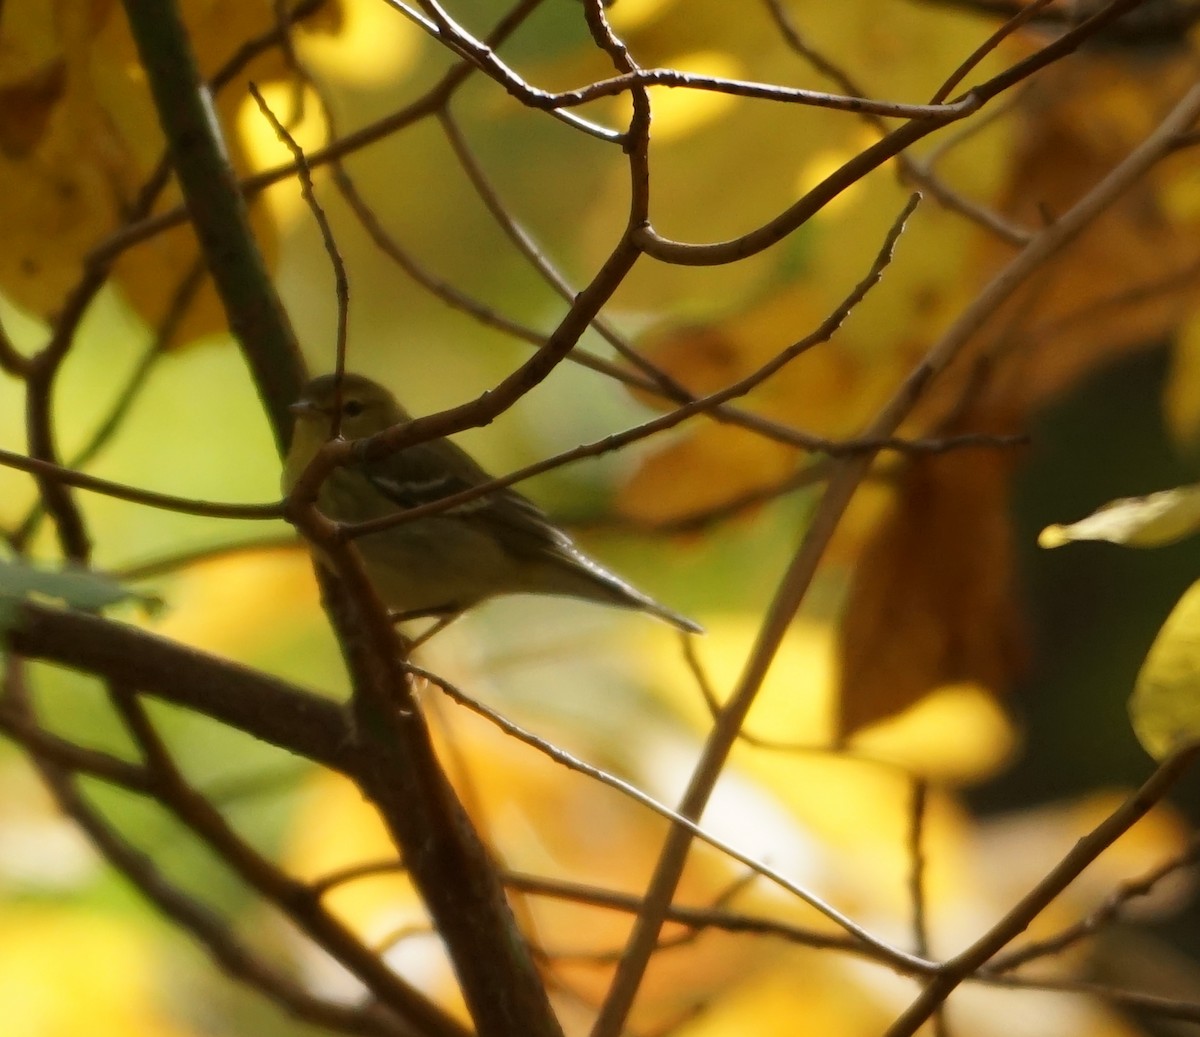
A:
(441, 565)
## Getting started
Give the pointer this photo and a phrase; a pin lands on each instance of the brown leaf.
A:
(1130, 278)
(715, 466)
(25, 108)
(79, 136)
(932, 600)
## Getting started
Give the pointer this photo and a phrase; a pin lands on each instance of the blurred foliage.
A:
(913, 631)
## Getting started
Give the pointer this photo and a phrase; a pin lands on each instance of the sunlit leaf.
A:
(79, 136)
(1165, 706)
(1152, 521)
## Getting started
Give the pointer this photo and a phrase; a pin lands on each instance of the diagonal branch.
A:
(1033, 903)
(216, 207)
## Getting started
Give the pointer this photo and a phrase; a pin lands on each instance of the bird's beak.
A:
(301, 408)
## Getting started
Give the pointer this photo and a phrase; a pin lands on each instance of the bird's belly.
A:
(435, 565)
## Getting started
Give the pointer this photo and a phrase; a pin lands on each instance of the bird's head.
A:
(365, 407)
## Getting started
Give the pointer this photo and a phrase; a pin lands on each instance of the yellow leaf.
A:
(1151, 521)
(680, 112)
(1181, 394)
(1165, 706)
(79, 136)
(714, 466)
(51, 986)
(956, 732)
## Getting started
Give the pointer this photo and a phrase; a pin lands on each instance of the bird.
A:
(445, 563)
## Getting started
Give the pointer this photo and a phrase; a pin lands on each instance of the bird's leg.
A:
(443, 617)
(440, 625)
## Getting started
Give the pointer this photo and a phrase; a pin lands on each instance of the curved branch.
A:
(775, 230)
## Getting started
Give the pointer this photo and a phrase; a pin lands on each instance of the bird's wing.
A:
(430, 472)
(422, 474)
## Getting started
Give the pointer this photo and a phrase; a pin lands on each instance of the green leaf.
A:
(1165, 705)
(79, 588)
(1154, 521)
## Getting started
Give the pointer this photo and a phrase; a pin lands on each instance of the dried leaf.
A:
(1129, 280)
(932, 600)
(715, 466)
(79, 136)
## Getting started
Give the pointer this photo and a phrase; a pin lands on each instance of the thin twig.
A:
(870, 158)
(348, 144)
(217, 209)
(181, 299)
(290, 896)
(65, 754)
(701, 918)
(194, 917)
(917, 818)
(353, 873)
(536, 257)
(700, 405)
(972, 61)
(56, 474)
(1101, 916)
(919, 173)
(1126, 1000)
(451, 33)
(1017, 919)
(568, 760)
(307, 191)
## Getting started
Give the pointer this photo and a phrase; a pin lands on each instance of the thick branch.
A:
(216, 207)
(398, 770)
(265, 707)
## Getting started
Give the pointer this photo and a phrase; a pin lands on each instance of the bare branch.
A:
(52, 474)
(566, 759)
(266, 708)
(853, 170)
(308, 192)
(194, 917)
(1017, 919)
(217, 209)
(1097, 919)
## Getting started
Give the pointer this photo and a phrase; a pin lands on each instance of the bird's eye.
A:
(352, 408)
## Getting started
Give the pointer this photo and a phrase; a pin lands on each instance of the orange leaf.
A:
(717, 465)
